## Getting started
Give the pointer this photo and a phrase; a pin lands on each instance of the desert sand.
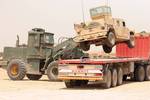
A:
(46, 90)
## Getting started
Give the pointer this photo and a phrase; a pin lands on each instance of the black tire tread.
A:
(147, 77)
(138, 75)
(22, 70)
(50, 75)
(114, 82)
(120, 76)
(107, 85)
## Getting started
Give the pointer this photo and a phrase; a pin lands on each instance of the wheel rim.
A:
(14, 69)
(111, 38)
(55, 71)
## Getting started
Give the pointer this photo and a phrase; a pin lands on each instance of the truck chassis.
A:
(108, 71)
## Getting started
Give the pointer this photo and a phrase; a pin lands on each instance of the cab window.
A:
(124, 24)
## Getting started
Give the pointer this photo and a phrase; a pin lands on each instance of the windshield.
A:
(100, 10)
(48, 38)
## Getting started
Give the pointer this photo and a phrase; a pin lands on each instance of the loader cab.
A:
(100, 12)
(39, 38)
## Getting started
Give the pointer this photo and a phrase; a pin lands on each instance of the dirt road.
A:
(45, 90)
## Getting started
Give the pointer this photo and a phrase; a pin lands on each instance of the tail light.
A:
(98, 74)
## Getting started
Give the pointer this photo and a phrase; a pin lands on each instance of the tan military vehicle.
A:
(103, 30)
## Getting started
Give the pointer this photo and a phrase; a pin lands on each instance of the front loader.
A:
(39, 57)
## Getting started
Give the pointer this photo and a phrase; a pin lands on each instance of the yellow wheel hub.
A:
(14, 69)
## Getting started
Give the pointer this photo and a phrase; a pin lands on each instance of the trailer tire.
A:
(108, 79)
(139, 73)
(120, 76)
(33, 77)
(107, 49)
(16, 69)
(114, 77)
(147, 73)
(52, 71)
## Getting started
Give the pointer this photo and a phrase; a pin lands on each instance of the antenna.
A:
(82, 6)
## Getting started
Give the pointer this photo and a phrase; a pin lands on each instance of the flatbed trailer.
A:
(109, 71)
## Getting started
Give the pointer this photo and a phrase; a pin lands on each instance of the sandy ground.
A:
(45, 90)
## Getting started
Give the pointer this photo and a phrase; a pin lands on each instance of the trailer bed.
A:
(101, 60)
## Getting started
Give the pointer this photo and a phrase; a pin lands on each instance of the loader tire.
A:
(33, 77)
(52, 71)
(16, 70)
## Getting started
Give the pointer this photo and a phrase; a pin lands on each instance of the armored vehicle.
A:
(39, 56)
(103, 30)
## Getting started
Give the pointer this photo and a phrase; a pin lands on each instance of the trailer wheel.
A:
(120, 76)
(52, 71)
(147, 73)
(114, 77)
(107, 49)
(85, 46)
(33, 77)
(108, 79)
(111, 39)
(16, 70)
(139, 73)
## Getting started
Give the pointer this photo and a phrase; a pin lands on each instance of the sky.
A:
(59, 16)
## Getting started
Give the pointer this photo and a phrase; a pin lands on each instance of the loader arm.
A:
(59, 50)
(65, 45)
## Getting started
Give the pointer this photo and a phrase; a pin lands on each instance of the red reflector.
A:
(99, 74)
